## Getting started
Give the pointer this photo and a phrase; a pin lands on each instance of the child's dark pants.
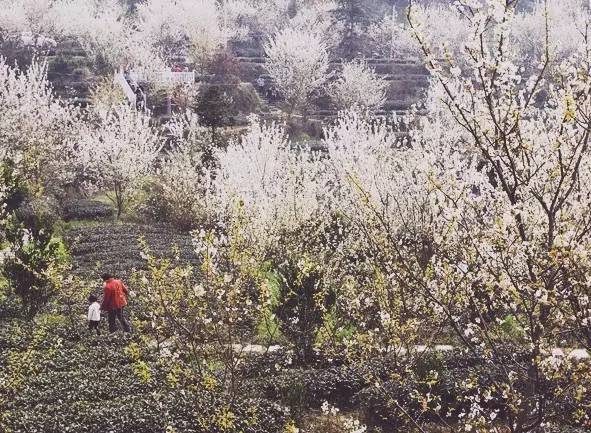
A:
(94, 324)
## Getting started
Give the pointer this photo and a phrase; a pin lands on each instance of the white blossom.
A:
(358, 86)
(298, 64)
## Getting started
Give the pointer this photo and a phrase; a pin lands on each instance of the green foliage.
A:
(140, 368)
(334, 330)
(298, 312)
(301, 389)
(156, 204)
(3, 290)
(300, 302)
(214, 106)
(87, 210)
(268, 326)
(219, 105)
(203, 313)
(35, 259)
(13, 187)
(35, 264)
(354, 15)
(511, 328)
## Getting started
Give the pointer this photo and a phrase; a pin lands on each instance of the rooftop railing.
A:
(163, 77)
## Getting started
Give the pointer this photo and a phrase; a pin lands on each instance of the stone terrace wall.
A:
(69, 69)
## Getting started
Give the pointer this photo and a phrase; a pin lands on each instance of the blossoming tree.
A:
(499, 178)
(36, 128)
(298, 64)
(188, 27)
(276, 185)
(118, 152)
(29, 23)
(358, 86)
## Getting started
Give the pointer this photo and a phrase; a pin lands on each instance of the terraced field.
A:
(116, 248)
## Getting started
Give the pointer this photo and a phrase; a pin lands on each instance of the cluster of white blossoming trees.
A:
(156, 35)
(466, 224)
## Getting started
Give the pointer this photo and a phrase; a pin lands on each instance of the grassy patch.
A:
(268, 329)
(103, 197)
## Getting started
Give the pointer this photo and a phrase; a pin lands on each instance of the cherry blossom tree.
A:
(102, 28)
(567, 24)
(198, 315)
(276, 186)
(182, 188)
(238, 10)
(378, 198)
(298, 64)
(186, 24)
(475, 224)
(263, 16)
(358, 86)
(186, 131)
(36, 128)
(317, 17)
(107, 33)
(391, 37)
(118, 150)
(29, 22)
(499, 253)
(451, 37)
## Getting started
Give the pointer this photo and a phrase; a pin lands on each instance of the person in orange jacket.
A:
(114, 300)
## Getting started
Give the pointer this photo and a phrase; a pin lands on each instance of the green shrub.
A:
(34, 268)
(301, 389)
(34, 258)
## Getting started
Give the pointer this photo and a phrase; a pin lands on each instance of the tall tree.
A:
(216, 109)
(353, 15)
(358, 86)
(298, 64)
(119, 151)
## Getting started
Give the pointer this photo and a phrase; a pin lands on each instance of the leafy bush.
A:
(13, 188)
(309, 388)
(220, 104)
(435, 389)
(299, 314)
(177, 194)
(431, 389)
(224, 68)
(204, 312)
(298, 276)
(33, 258)
(34, 267)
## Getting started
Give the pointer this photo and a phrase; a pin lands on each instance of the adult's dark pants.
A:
(117, 314)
